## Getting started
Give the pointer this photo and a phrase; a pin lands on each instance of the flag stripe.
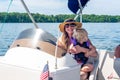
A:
(45, 72)
(44, 75)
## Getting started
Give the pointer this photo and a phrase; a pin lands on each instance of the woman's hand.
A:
(72, 49)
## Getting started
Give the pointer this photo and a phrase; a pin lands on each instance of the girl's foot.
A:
(83, 75)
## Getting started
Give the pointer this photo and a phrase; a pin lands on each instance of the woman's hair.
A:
(66, 40)
(79, 34)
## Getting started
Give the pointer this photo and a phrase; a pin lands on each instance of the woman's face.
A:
(69, 28)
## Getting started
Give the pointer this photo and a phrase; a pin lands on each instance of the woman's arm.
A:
(91, 52)
(88, 52)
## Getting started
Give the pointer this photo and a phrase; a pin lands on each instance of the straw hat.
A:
(67, 21)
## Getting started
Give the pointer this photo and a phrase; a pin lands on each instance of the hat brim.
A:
(62, 25)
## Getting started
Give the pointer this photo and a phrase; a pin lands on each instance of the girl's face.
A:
(85, 38)
(69, 28)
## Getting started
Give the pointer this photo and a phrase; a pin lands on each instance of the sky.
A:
(98, 7)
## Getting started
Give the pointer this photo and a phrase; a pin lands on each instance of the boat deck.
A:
(106, 70)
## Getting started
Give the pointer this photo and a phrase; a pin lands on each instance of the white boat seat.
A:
(38, 39)
(22, 63)
(40, 45)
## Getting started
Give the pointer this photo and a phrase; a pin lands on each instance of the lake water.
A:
(102, 35)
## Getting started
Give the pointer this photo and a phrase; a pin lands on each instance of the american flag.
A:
(45, 73)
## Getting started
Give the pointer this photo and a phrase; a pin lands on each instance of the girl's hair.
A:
(79, 33)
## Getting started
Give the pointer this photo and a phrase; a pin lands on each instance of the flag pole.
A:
(56, 50)
(48, 70)
(49, 78)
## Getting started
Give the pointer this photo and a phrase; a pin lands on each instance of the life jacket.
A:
(80, 57)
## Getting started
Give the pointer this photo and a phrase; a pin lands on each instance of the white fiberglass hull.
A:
(22, 63)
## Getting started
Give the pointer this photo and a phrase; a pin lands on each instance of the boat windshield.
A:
(33, 37)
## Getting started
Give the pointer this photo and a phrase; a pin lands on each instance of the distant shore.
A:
(15, 17)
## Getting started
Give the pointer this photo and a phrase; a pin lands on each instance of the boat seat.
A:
(38, 39)
(40, 45)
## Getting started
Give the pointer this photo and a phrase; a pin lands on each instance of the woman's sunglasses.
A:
(70, 25)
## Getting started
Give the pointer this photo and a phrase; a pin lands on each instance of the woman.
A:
(64, 41)
(67, 28)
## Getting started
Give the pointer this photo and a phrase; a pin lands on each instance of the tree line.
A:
(15, 17)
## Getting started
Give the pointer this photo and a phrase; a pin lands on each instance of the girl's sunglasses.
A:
(70, 25)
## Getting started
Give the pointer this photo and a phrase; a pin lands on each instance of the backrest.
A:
(38, 39)
(93, 74)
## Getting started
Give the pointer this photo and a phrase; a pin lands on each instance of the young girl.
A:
(80, 37)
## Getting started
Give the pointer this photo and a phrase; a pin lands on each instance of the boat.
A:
(104, 65)
(34, 48)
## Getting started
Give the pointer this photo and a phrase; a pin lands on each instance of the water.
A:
(102, 35)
